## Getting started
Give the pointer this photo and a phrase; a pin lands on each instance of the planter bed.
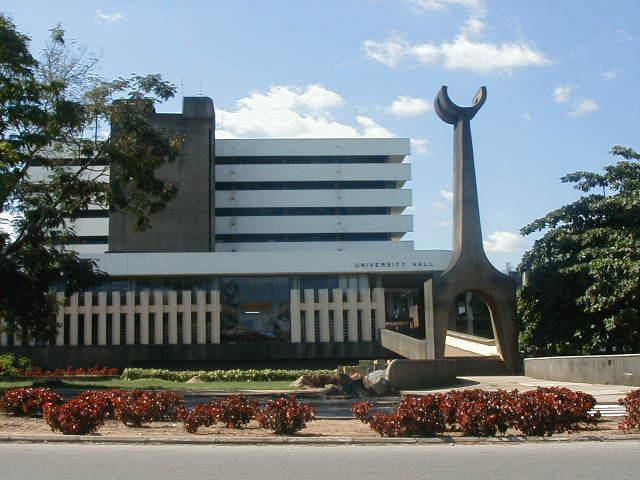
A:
(60, 378)
(11, 425)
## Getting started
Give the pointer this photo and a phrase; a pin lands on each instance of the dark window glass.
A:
(255, 309)
(301, 159)
(330, 185)
(302, 237)
(277, 211)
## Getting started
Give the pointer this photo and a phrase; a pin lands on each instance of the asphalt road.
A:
(610, 461)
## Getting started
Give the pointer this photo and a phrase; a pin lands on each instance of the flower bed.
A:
(236, 375)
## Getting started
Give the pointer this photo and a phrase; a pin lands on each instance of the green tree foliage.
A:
(582, 293)
(52, 112)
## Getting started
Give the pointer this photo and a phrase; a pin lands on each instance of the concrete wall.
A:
(603, 369)
(186, 225)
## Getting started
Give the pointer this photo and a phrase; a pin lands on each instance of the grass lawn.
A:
(152, 383)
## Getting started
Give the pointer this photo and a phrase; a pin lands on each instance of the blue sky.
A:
(560, 78)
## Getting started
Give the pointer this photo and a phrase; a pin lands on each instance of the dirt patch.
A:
(10, 425)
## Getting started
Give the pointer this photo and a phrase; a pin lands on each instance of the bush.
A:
(362, 411)
(28, 401)
(104, 399)
(202, 415)
(413, 417)
(236, 411)
(137, 407)
(478, 413)
(80, 416)
(631, 404)
(10, 365)
(550, 410)
(220, 375)
(285, 415)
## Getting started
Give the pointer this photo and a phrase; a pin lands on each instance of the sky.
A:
(559, 74)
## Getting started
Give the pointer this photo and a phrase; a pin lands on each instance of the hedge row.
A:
(480, 413)
(87, 412)
(236, 375)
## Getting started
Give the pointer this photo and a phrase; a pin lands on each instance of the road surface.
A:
(592, 460)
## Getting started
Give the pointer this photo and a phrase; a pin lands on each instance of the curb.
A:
(318, 441)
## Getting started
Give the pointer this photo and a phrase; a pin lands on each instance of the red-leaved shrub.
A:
(631, 404)
(236, 411)
(414, 417)
(550, 410)
(478, 413)
(80, 416)
(362, 411)
(28, 401)
(137, 407)
(202, 415)
(104, 399)
(285, 415)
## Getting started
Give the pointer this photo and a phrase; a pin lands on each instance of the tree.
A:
(52, 113)
(582, 289)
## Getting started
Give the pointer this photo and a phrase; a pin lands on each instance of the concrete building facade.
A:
(273, 249)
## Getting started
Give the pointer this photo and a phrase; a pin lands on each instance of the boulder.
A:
(377, 381)
(194, 379)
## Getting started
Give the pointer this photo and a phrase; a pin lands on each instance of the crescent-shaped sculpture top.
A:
(451, 113)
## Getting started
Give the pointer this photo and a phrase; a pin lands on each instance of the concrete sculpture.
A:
(469, 270)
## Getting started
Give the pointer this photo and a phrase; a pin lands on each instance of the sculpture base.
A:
(417, 374)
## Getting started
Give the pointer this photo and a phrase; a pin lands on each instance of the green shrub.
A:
(237, 375)
(10, 365)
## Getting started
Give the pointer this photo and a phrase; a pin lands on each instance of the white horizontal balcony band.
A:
(89, 249)
(88, 227)
(399, 172)
(309, 147)
(315, 224)
(389, 246)
(314, 198)
(38, 174)
(286, 262)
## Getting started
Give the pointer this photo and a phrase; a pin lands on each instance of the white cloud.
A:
(583, 107)
(473, 26)
(505, 242)
(463, 53)
(609, 74)
(562, 93)
(370, 128)
(440, 205)
(293, 112)
(420, 6)
(447, 195)
(527, 116)
(388, 52)
(409, 106)
(419, 146)
(425, 53)
(110, 17)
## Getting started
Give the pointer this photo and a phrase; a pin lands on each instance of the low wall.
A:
(603, 369)
(417, 374)
(404, 345)
(190, 356)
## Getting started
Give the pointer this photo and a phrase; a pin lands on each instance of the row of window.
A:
(283, 211)
(300, 159)
(321, 185)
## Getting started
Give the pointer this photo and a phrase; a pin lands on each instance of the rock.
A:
(377, 381)
(333, 389)
(304, 381)
(194, 379)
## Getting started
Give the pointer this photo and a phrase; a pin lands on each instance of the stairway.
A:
(479, 366)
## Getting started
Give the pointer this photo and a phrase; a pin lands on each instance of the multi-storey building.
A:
(273, 249)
